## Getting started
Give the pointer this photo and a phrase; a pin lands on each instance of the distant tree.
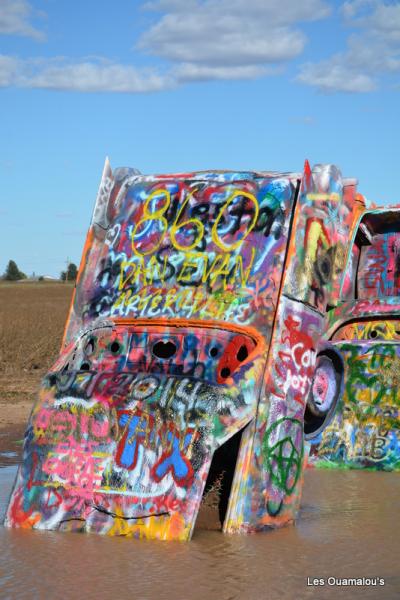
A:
(12, 273)
(70, 274)
(41, 278)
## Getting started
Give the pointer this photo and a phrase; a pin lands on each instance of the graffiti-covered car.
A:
(365, 331)
(188, 354)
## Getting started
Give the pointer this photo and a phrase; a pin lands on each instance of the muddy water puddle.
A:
(11, 442)
(348, 528)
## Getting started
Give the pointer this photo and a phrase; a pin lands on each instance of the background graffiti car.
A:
(365, 330)
(189, 350)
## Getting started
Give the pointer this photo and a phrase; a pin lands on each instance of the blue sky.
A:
(173, 85)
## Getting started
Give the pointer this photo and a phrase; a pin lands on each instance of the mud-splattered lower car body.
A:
(365, 331)
(189, 351)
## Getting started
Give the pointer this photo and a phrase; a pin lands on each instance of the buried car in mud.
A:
(191, 343)
(364, 431)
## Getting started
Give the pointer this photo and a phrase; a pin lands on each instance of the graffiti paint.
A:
(365, 330)
(197, 316)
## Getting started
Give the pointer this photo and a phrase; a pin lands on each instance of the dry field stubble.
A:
(32, 318)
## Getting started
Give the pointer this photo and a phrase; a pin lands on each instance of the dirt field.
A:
(32, 319)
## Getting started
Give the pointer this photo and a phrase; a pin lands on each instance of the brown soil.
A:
(32, 319)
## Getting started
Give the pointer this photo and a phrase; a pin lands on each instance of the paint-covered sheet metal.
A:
(194, 246)
(361, 311)
(173, 314)
(198, 311)
(268, 479)
(378, 264)
(365, 430)
(365, 330)
(329, 208)
(125, 449)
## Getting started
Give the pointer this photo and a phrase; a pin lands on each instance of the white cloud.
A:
(353, 8)
(380, 17)
(8, 68)
(225, 48)
(330, 77)
(230, 33)
(385, 21)
(100, 76)
(198, 40)
(85, 76)
(189, 72)
(371, 53)
(278, 12)
(14, 19)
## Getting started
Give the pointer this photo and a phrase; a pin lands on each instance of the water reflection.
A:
(348, 527)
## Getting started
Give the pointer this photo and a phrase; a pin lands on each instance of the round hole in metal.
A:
(225, 372)
(164, 350)
(242, 353)
(115, 347)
